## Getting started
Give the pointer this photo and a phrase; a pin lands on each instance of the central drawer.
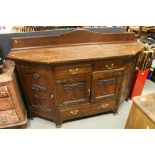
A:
(87, 109)
(72, 70)
(108, 65)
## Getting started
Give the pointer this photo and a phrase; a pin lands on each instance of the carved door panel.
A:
(128, 78)
(73, 90)
(37, 84)
(106, 85)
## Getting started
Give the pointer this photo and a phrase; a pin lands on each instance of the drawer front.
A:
(108, 65)
(4, 92)
(8, 117)
(87, 109)
(72, 70)
(6, 104)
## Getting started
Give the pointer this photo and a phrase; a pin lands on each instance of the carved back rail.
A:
(80, 36)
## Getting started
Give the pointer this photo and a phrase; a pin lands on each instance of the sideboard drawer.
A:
(72, 70)
(4, 91)
(8, 117)
(6, 104)
(108, 65)
(87, 109)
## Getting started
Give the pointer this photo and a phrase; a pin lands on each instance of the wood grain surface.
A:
(147, 104)
(76, 53)
(78, 36)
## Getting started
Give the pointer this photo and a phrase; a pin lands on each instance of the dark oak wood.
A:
(85, 110)
(108, 65)
(106, 85)
(73, 90)
(76, 37)
(68, 70)
(37, 88)
(127, 79)
(76, 74)
(76, 53)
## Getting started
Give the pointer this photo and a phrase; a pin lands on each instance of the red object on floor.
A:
(139, 82)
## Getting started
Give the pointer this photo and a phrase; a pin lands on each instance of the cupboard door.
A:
(38, 88)
(73, 90)
(106, 85)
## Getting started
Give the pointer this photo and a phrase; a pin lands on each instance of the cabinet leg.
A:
(30, 117)
(115, 112)
(58, 124)
(23, 126)
(127, 99)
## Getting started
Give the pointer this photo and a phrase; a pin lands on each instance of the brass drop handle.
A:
(74, 112)
(109, 67)
(103, 106)
(52, 96)
(74, 70)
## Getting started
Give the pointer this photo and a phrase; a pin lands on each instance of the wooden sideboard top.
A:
(76, 52)
(79, 45)
(147, 104)
(7, 71)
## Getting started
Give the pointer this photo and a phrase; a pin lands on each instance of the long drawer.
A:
(72, 70)
(108, 65)
(87, 109)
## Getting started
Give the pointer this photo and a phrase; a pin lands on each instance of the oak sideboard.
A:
(76, 74)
